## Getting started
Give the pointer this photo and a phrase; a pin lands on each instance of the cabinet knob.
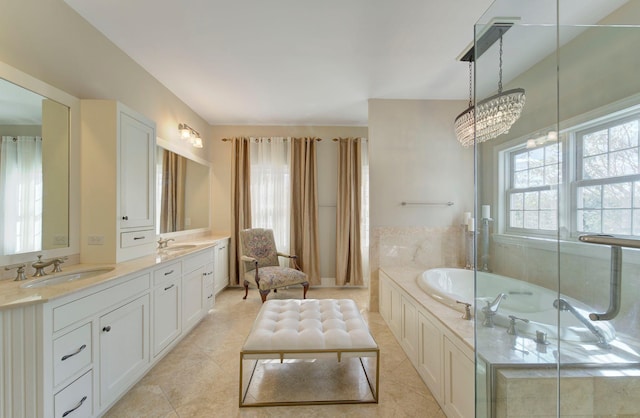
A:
(125, 218)
(107, 328)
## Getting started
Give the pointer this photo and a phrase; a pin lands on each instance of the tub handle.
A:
(467, 310)
(615, 275)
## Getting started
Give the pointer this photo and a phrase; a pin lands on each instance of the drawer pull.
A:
(125, 218)
(107, 328)
(137, 238)
(209, 297)
(82, 347)
(84, 398)
(169, 287)
(168, 272)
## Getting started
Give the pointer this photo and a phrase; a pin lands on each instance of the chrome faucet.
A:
(564, 305)
(56, 264)
(39, 265)
(491, 309)
(512, 330)
(164, 243)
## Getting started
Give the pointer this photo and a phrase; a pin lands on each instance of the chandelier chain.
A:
(470, 90)
(500, 68)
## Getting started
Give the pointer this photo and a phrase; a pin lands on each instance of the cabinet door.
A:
(221, 279)
(409, 329)
(192, 300)
(137, 159)
(166, 314)
(459, 382)
(430, 354)
(390, 305)
(124, 348)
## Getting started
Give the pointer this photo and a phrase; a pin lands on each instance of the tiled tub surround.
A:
(521, 375)
(415, 246)
(83, 343)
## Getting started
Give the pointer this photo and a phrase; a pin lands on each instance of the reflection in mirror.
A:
(183, 193)
(34, 171)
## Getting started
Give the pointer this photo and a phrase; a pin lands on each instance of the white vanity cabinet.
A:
(193, 287)
(124, 348)
(167, 305)
(221, 276)
(444, 362)
(117, 187)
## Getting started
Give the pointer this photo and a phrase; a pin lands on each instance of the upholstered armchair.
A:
(263, 270)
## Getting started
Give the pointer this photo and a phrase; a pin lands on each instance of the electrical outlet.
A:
(60, 240)
(95, 240)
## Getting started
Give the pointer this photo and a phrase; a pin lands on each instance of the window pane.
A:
(636, 222)
(536, 157)
(531, 200)
(624, 136)
(552, 154)
(551, 174)
(531, 219)
(521, 179)
(616, 221)
(516, 219)
(636, 194)
(548, 199)
(623, 163)
(589, 221)
(595, 143)
(616, 195)
(548, 220)
(536, 177)
(590, 197)
(517, 200)
(521, 161)
(595, 167)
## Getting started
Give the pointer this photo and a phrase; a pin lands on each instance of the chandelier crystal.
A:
(491, 117)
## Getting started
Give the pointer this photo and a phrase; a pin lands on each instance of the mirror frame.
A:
(176, 148)
(29, 82)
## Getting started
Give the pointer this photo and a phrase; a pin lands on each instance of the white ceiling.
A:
(310, 62)
(286, 62)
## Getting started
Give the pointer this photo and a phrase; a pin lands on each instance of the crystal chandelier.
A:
(491, 117)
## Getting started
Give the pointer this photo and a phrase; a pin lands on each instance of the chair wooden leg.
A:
(263, 294)
(246, 289)
(305, 286)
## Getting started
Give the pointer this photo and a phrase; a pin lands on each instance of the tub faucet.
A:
(564, 305)
(491, 310)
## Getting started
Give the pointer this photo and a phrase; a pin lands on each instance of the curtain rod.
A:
(266, 137)
(426, 203)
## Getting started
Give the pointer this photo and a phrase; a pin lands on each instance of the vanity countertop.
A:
(13, 295)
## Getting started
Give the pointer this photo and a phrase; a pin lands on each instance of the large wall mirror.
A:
(183, 190)
(34, 171)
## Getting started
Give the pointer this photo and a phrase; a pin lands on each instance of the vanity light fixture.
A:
(190, 134)
(541, 139)
(495, 115)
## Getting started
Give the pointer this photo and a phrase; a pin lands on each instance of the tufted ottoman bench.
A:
(316, 336)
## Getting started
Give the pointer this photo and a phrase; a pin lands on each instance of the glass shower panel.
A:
(518, 184)
(556, 330)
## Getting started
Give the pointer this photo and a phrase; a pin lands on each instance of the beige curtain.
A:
(304, 206)
(174, 175)
(348, 209)
(240, 202)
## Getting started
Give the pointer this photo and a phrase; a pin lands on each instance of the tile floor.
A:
(199, 377)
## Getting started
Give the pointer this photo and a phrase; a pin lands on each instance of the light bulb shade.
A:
(185, 131)
(197, 142)
(490, 118)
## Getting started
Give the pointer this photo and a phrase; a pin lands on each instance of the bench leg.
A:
(305, 287)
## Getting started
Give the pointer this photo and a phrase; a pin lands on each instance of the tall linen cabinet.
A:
(117, 183)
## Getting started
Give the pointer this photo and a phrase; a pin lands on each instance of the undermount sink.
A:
(65, 278)
(179, 247)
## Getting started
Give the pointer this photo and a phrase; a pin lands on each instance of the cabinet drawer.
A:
(132, 239)
(76, 310)
(168, 272)
(192, 262)
(71, 352)
(76, 400)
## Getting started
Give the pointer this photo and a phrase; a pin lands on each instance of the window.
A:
(601, 192)
(532, 199)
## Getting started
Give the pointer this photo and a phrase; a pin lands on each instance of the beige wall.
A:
(327, 178)
(415, 156)
(51, 42)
